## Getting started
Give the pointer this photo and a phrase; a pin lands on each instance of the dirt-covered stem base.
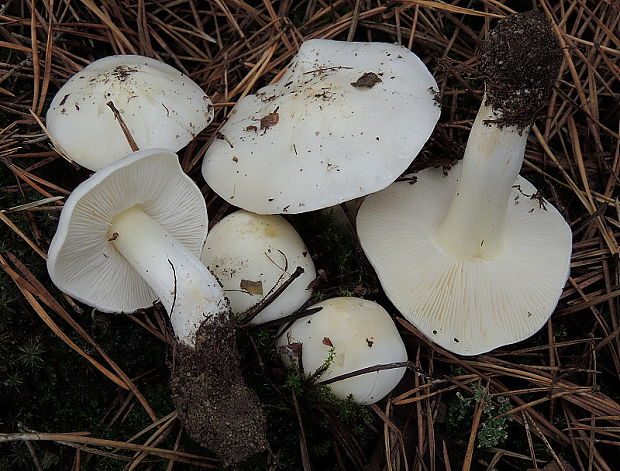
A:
(216, 407)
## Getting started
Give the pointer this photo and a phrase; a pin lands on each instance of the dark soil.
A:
(520, 60)
(216, 407)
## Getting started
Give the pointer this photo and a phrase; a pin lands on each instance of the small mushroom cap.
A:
(82, 261)
(345, 120)
(162, 107)
(467, 306)
(362, 334)
(252, 255)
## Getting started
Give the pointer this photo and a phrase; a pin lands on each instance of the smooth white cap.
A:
(362, 334)
(162, 107)
(313, 139)
(251, 255)
(474, 305)
(83, 262)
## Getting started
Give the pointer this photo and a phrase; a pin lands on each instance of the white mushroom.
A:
(345, 120)
(161, 107)
(132, 234)
(252, 255)
(357, 334)
(477, 259)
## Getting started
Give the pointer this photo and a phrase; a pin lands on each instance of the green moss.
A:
(493, 430)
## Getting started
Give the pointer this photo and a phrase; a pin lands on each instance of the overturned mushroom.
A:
(252, 255)
(476, 259)
(345, 120)
(131, 235)
(160, 107)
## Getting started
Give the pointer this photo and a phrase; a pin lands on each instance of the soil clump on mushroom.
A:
(519, 77)
(216, 407)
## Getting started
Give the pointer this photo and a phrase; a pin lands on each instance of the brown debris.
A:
(269, 120)
(367, 80)
(252, 287)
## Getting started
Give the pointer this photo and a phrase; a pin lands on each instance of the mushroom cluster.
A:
(124, 242)
(460, 256)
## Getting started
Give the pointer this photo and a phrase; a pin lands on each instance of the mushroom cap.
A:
(83, 263)
(362, 334)
(162, 107)
(466, 306)
(252, 255)
(314, 139)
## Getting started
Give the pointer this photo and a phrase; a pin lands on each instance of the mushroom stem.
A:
(474, 224)
(187, 289)
(216, 407)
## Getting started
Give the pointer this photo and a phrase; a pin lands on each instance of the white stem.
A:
(473, 226)
(187, 289)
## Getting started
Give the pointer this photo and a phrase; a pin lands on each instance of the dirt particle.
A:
(216, 407)
(123, 72)
(542, 204)
(367, 80)
(436, 96)
(268, 99)
(269, 120)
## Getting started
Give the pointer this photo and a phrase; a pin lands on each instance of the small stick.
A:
(292, 317)
(386, 366)
(121, 121)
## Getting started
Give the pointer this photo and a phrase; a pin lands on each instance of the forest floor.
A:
(81, 389)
